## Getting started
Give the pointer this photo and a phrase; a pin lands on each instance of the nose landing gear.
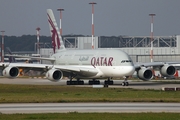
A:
(125, 83)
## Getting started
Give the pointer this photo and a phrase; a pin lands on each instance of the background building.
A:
(165, 48)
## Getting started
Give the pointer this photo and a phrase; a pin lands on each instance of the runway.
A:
(136, 84)
(89, 107)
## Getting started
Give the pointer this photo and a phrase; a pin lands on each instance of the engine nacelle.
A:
(167, 70)
(10, 72)
(145, 73)
(54, 75)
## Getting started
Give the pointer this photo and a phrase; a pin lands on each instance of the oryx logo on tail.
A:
(57, 42)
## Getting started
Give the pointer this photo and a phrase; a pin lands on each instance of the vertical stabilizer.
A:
(11, 58)
(57, 42)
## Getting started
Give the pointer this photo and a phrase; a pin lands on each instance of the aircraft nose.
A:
(131, 70)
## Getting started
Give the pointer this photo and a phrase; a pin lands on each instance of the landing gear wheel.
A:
(81, 83)
(75, 82)
(94, 82)
(68, 82)
(125, 84)
(108, 82)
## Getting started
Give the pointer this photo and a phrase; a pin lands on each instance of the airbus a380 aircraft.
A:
(86, 64)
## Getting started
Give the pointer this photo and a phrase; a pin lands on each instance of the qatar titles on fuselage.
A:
(115, 63)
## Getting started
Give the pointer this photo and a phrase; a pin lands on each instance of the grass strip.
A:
(92, 116)
(59, 94)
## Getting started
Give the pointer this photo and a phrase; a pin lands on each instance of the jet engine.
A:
(167, 70)
(10, 72)
(54, 75)
(145, 73)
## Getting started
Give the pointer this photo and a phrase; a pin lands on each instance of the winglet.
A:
(57, 42)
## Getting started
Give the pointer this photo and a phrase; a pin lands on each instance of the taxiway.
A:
(137, 84)
(88, 107)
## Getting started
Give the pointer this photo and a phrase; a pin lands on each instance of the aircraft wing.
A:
(145, 71)
(36, 58)
(83, 71)
(153, 64)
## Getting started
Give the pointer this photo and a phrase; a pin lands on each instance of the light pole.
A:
(38, 34)
(2, 46)
(92, 3)
(60, 19)
(151, 53)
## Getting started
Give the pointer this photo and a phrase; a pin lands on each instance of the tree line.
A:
(27, 42)
(24, 42)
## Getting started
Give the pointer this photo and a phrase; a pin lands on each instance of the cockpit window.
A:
(124, 61)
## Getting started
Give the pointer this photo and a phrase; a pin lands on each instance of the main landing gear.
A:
(108, 82)
(75, 82)
(81, 82)
(94, 82)
(125, 83)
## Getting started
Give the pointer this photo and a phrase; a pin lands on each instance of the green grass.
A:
(51, 93)
(92, 116)
(48, 93)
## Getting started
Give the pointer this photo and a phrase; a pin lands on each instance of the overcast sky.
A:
(111, 17)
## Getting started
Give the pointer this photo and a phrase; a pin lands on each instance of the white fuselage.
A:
(109, 63)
